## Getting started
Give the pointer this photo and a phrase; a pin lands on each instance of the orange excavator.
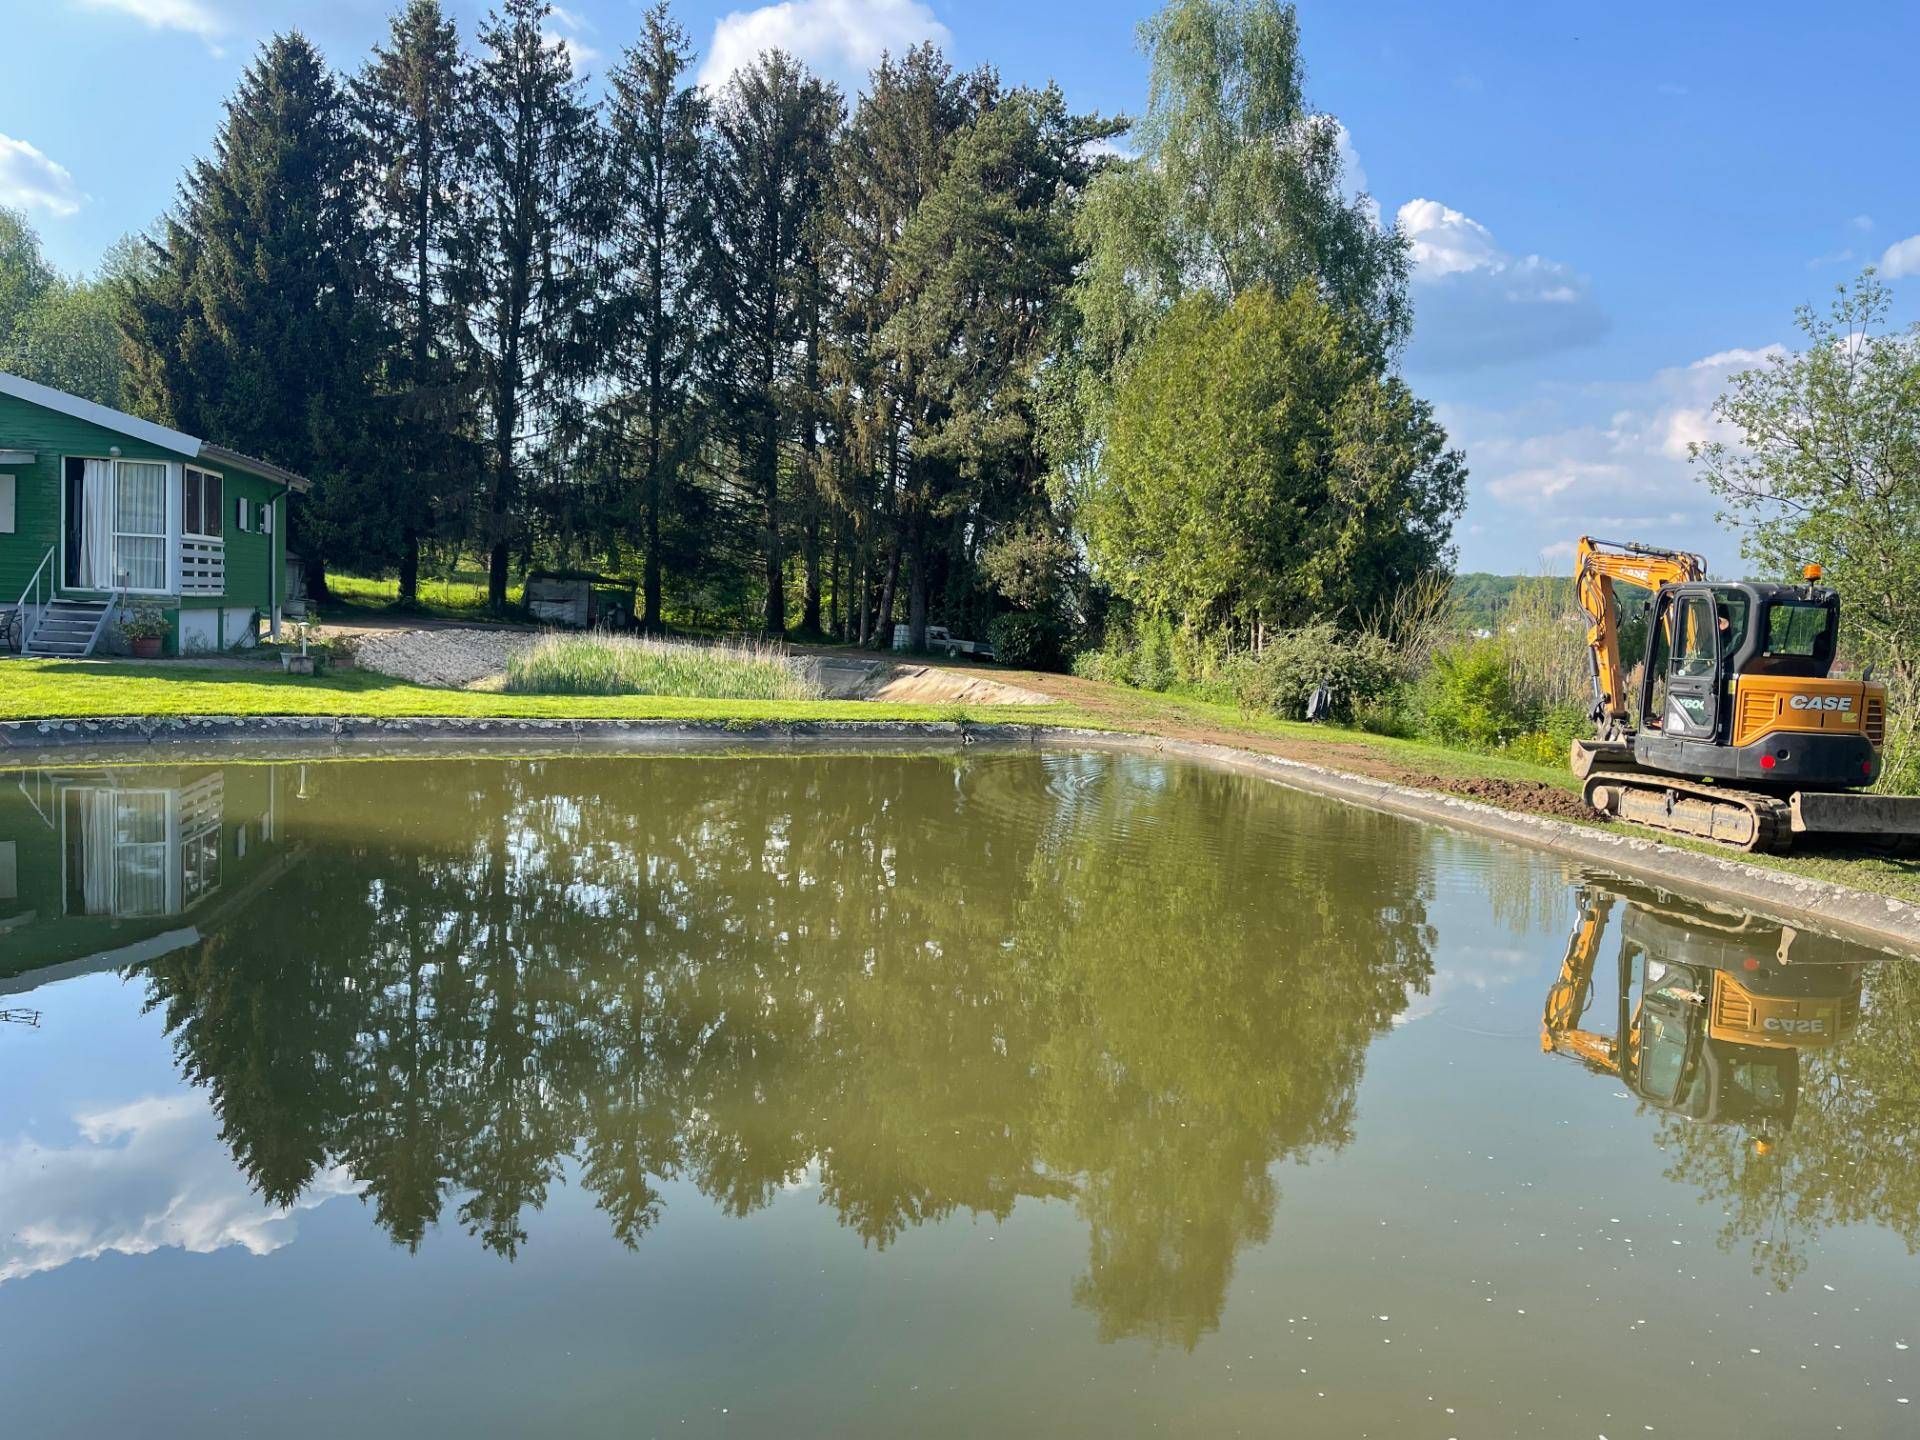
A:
(1713, 1008)
(1741, 734)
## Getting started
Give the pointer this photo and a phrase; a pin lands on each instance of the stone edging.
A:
(1880, 919)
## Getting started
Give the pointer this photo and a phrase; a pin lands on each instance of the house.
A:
(98, 508)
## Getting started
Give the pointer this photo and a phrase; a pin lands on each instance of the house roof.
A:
(135, 428)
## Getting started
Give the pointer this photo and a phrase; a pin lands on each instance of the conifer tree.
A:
(246, 326)
(411, 105)
(657, 305)
(774, 129)
(529, 251)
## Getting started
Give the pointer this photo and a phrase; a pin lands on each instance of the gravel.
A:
(451, 656)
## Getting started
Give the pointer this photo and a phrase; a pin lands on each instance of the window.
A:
(1796, 629)
(140, 526)
(6, 504)
(200, 512)
(1695, 655)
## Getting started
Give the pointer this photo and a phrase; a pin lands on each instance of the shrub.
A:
(623, 665)
(1466, 698)
(1360, 670)
(1024, 638)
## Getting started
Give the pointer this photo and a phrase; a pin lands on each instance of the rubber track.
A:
(1769, 828)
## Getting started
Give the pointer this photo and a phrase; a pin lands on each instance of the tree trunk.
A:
(917, 589)
(410, 567)
(882, 634)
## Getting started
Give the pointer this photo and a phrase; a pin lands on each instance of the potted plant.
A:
(144, 624)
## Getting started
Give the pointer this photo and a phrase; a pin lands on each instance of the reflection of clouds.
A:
(141, 1177)
(1479, 971)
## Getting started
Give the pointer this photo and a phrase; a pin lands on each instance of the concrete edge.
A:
(1821, 904)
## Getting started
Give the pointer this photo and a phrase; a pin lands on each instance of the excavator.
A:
(1741, 734)
(1712, 1011)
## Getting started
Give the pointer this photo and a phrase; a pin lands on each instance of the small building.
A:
(99, 509)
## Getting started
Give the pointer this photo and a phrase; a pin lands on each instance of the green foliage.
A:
(1238, 185)
(54, 330)
(1260, 465)
(143, 620)
(624, 665)
(1023, 638)
(1467, 697)
(1360, 671)
(1827, 469)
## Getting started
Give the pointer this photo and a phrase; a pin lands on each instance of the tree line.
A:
(940, 351)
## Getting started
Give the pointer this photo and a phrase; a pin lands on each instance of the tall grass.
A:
(561, 664)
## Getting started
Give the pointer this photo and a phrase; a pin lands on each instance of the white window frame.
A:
(169, 505)
(9, 504)
(171, 502)
(192, 531)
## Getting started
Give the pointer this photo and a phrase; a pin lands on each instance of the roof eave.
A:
(219, 454)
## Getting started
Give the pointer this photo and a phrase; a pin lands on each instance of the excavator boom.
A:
(1599, 564)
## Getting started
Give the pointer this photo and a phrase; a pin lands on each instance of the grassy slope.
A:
(33, 689)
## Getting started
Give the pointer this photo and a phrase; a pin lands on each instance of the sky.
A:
(1612, 208)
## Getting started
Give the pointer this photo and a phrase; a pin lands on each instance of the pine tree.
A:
(528, 249)
(774, 130)
(657, 303)
(411, 104)
(983, 266)
(245, 325)
(890, 157)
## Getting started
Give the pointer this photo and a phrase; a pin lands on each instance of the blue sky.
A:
(1612, 208)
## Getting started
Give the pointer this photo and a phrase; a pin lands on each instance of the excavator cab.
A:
(1736, 687)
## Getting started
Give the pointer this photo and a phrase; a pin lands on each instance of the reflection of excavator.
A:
(1713, 1008)
(1742, 736)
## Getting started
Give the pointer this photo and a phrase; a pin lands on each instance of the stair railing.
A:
(32, 608)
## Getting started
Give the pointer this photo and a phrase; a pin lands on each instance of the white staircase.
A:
(68, 629)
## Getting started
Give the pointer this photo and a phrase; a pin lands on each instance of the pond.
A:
(917, 1094)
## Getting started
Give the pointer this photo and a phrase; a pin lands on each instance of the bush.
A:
(1023, 638)
(623, 665)
(1467, 697)
(1361, 671)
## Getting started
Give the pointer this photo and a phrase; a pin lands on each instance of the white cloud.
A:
(1861, 223)
(191, 17)
(1902, 258)
(564, 35)
(1552, 469)
(30, 181)
(140, 1177)
(1477, 304)
(839, 39)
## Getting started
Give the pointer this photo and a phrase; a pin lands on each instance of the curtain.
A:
(140, 526)
(96, 526)
(95, 813)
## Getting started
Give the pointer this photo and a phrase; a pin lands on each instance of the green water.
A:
(983, 1094)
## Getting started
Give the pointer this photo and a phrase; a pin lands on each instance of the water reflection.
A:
(929, 986)
(1778, 1064)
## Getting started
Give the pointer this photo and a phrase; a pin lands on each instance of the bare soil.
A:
(1532, 796)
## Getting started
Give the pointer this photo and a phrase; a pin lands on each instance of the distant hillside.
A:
(1482, 596)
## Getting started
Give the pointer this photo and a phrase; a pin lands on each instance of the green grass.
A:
(561, 664)
(36, 689)
(459, 598)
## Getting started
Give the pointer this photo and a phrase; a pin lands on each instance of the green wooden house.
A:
(99, 509)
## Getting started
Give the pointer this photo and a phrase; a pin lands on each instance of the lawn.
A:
(36, 689)
(462, 597)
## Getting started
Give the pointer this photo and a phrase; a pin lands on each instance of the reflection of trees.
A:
(1850, 1154)
(942, 985)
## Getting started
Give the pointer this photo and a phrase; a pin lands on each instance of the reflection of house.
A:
(102, 866)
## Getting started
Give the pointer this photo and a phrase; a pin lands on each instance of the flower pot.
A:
(145, 647)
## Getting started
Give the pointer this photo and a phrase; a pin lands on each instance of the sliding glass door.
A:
(116, 529)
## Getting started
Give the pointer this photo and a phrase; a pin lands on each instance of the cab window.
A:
(1797, 629)
(1695, 652)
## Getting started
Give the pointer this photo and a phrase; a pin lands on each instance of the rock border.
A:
(1880, 919)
